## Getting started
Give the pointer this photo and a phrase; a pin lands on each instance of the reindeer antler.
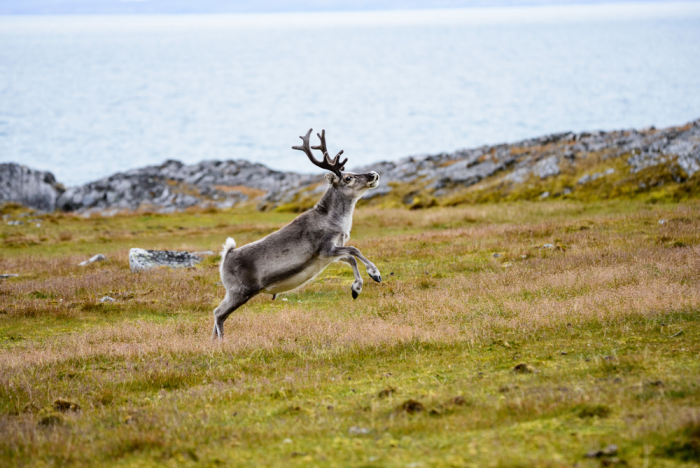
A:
(329, 164)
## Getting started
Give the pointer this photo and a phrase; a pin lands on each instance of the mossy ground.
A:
(421, 370)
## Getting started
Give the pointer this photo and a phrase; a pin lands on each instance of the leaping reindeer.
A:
(295, 254)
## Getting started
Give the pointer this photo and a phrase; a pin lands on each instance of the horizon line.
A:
(112, 10)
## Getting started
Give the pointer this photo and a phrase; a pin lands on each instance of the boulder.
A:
(29, 187)
(141, 259)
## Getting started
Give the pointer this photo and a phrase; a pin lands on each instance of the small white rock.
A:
(96, 258)
(107, 299)
(357, 430)
(548, 246)
(662, 221)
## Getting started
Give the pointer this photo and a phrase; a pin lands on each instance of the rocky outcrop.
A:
(541, 158)
(175, 186)
(35, 189)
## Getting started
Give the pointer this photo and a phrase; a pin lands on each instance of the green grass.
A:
(421, 370)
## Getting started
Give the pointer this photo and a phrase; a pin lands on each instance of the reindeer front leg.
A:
(356, 287)
(332, 250)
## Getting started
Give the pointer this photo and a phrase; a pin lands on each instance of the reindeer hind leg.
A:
(231, 302)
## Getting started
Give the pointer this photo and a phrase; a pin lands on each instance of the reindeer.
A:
(297, 253)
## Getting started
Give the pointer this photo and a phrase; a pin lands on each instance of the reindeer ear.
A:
(332, 178)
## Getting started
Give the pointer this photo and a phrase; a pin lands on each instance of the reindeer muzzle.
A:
(373, 179)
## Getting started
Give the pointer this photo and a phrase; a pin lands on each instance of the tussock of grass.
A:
(419, 369)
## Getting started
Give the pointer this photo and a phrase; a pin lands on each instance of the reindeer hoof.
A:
(377, 278)
(355, 294)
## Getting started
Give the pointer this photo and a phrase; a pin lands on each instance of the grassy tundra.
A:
(532, 357)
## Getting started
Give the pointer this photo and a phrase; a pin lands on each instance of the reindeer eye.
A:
(348, 179)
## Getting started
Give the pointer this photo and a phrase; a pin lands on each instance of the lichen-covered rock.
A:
(141, 259)
(174, 186)
(31, 188)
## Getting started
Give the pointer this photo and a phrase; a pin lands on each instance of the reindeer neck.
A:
(337, 208)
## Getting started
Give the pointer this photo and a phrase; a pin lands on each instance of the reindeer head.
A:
(349, 184)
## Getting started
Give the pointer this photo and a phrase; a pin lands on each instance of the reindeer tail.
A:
(229, 245)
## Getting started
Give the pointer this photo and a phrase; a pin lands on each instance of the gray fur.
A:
(295, 254)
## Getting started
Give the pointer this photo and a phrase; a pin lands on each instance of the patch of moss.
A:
(685, 447)
(663, 183)
(594, 411)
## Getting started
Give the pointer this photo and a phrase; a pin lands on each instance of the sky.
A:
(42, 7)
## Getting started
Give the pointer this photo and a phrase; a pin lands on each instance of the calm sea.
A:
(87, 96)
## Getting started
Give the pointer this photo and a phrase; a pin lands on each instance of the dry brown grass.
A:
(598, 278)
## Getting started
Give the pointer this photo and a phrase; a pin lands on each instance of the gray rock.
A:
(29, 187)
(590, 177)
(547, 167)
(96, 258)
(519, 175)
(205, 253)
(8, 275)
(174, 186)
(141, 259)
